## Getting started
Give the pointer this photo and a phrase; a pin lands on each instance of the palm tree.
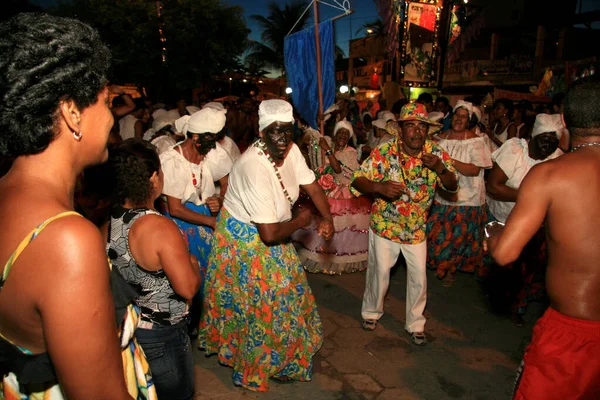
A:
(374, 28)
(275, 27)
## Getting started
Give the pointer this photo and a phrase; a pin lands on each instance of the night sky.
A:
(345, 28)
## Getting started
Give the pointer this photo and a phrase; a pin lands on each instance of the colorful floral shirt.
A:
(403, 220)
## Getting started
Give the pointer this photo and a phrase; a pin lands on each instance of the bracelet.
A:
(328, 152)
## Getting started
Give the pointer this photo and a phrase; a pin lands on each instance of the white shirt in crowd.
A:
(255, 196)
(179, 174)
(163, 143)
(127, 126)
(513, 158)
(474, 151)
(231, 148)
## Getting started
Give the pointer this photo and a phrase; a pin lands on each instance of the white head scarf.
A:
(192, 109)
(207, 120)
(388, 116)
(435, 116)
(545, 123)
(161, 118)
(216, 105)
(380, 123)
(343, 124)
(464, 104)
(270, 111)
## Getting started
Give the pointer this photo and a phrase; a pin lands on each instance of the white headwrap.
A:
(161, 118)
(545, 123)
(388, 116)
(435, 116)
(380, 123)
(464, 104)
(270, 111)
(343, 124)
(207, 120)
(216, 105)
(174, 114)
(365, 113)
(192, 109)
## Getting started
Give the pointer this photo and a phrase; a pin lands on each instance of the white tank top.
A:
(502, 136)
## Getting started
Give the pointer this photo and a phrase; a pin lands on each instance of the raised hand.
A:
(432, 162)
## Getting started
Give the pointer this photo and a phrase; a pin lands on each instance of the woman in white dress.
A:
(191, 169)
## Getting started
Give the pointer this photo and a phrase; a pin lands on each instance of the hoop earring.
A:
(77, 136)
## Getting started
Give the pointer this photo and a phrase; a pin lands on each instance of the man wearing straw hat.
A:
(402, 176)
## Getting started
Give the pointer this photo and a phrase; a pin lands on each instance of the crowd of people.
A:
(209, 216)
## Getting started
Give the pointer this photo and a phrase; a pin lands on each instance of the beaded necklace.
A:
(186, 156)
(262, 150)
(423, 173)
(585, 145)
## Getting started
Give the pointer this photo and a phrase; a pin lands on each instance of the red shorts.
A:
(562, 362)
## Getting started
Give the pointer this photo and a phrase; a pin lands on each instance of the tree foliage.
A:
(275, 27)
(203, 38)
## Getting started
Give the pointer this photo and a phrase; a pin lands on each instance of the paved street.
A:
(472, 353)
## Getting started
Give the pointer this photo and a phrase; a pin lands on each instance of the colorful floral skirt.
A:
(455, 239)
(347, 250)
(197, 237)
(259, 314)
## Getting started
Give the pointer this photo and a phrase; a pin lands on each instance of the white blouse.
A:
(231, 148)
(513, 158)
(474, 151)
(255, 195)
(179, 174)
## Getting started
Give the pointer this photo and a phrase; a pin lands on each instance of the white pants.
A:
(383, 254)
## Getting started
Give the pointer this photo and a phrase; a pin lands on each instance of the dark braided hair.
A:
(45, 60)
(133, 162)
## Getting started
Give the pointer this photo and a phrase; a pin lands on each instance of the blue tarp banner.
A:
(300, 56)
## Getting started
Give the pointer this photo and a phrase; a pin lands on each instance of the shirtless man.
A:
(563, 359)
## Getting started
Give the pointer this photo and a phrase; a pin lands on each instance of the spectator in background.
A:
(427, 100)
(132, 125)
(397, 107)
(502, 128)
(521, 119)
(122, 104)
(443, 105)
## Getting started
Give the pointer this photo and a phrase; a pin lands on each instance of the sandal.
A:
(418, 338)
(369, 324)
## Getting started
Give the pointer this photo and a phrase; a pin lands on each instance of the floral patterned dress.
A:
(259, 314)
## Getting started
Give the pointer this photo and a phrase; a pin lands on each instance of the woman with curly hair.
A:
(149, 251)
(66, 318)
